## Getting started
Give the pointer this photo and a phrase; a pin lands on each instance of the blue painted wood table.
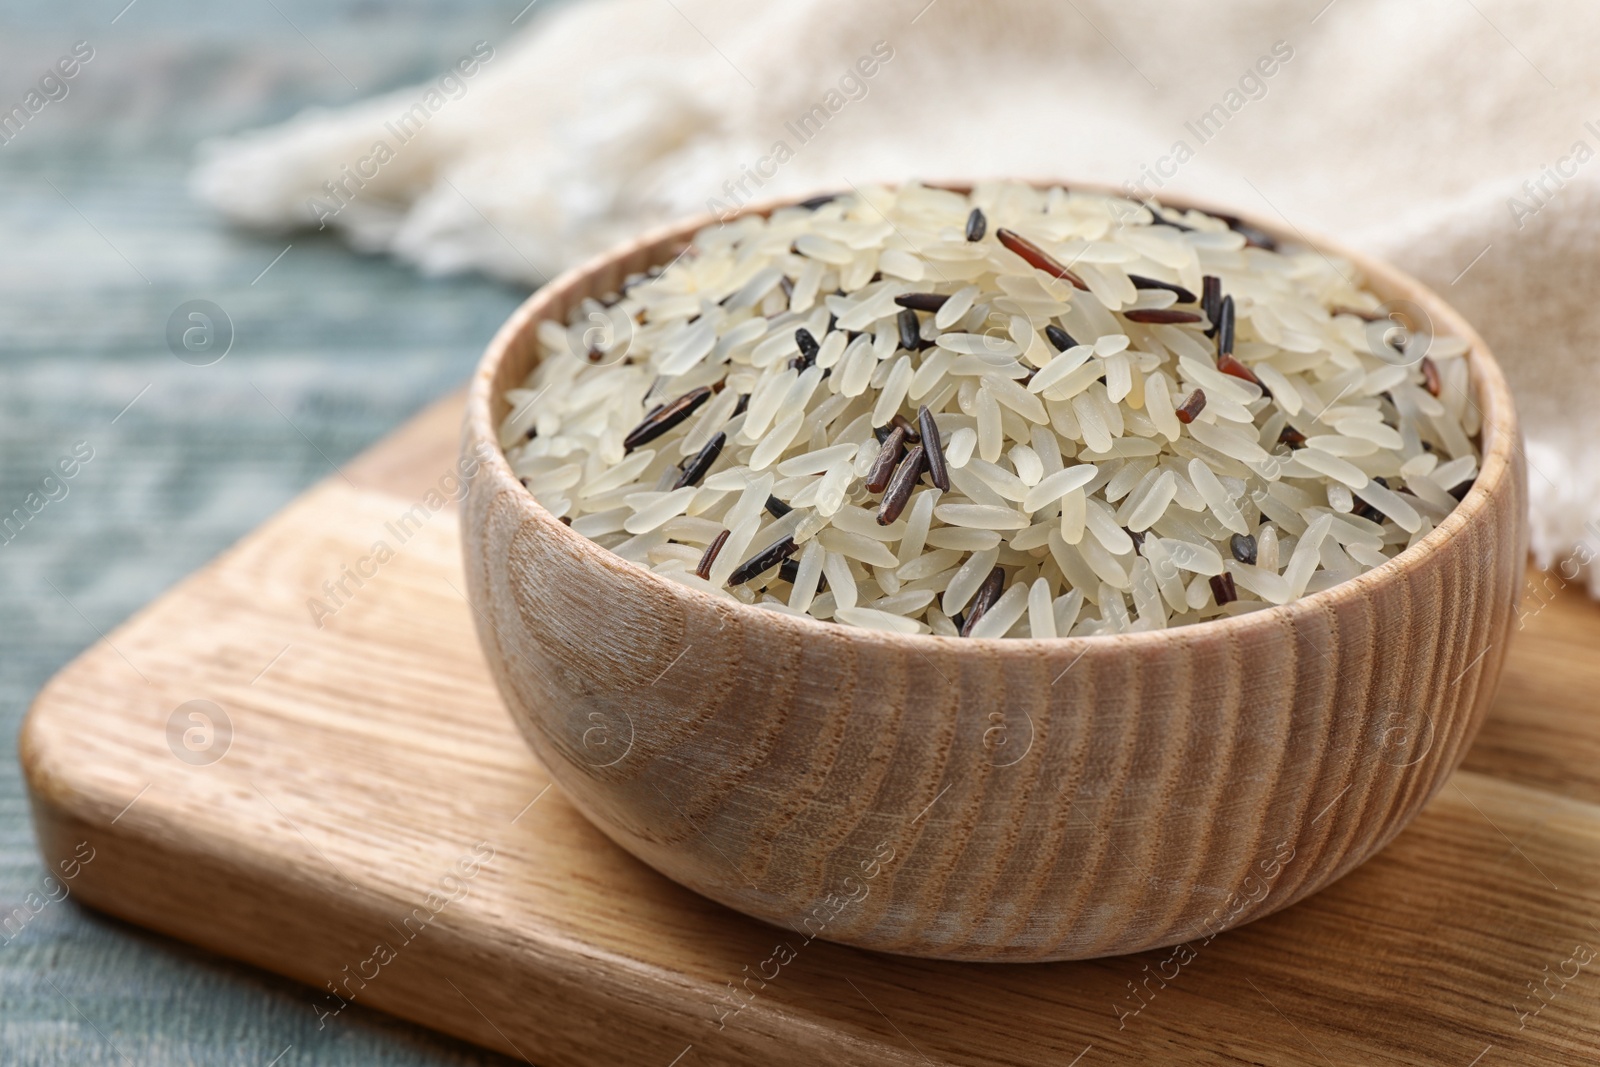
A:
(99, 243)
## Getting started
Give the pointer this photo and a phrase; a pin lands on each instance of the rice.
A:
(1003, 414)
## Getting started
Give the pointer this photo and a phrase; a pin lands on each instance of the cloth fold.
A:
(1457, 139)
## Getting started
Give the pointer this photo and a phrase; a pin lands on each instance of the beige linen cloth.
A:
(1458, 138)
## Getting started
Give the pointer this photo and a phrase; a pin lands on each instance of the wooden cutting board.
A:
(349, 805)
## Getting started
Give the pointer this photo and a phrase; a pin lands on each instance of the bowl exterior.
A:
(990, 800)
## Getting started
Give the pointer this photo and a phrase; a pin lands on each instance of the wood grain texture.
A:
(778, 765)
(375, 754)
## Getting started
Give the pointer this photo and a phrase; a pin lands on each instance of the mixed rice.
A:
(1016, 413)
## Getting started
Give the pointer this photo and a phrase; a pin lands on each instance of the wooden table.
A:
(369, 770)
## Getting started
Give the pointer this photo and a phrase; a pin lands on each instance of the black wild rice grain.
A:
(1365, 510)
(1160, 316)
(929, 302)
(666, 417)
(1192, 405)
(1141, 282)
(1211, 301)
(1244, 548)
(1225, 326)
(912, 436)
(1228, 365)
(1158, 219)
(900, 486)
(742, 406)
(777, 508)
(764, 560)
(1059, 339)
(910, 329)
(703, 569)
(933, 448)
(1223, 589)
(983, 600)
(808, 347)
(817, 201)
(789, 570)
(1253, 235)
(1291, 437)
(1038, 258)
(977, 225)
(883, 465)
(696, 468)
(566, 520)
(1430, 376)
(635, 279)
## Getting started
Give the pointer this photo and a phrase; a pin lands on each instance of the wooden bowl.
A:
(990, 799)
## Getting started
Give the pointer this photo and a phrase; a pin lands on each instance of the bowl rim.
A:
(1499, 441)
